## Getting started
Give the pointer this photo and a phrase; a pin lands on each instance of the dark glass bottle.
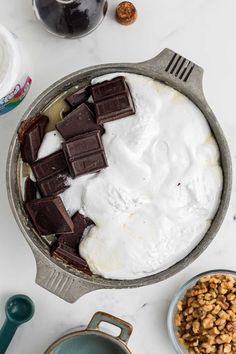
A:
(70, 18)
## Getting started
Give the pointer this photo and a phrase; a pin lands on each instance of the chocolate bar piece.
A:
(80, 120)
(113, 108)
(26, 125)
(49, 165)
(53, 185)
(107, 89)
(80, 223)
(88, 164)
(70, 256)
(30, 189)
(78, 97)
(30, 135)
(85, 154)
(49, 216)
(83, 144)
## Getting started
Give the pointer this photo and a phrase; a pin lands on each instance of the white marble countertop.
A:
(203, 31)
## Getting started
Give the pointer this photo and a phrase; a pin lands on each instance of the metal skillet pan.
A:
(69, 283)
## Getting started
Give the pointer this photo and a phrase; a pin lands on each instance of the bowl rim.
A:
(81, 78)
(179, 349)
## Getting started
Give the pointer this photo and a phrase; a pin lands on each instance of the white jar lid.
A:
(10, 61)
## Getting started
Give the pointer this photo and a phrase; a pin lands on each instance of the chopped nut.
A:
(207, 308)
(231, 327)
(196, 326)
(227, 348)
(180, 306)
(231, 297)
(222, 314)
(216, 310)
(207, 323)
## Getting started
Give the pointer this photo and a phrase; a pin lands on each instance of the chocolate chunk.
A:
(30, 135)
(88, 164)
(107, 89)
(79, 121)
(126, 13)
(30, 189)
(53, 185)
(49, 216)
(70, 256)
(83, 144)
(80, 223)
(112, 100)
(27, 124)
(85, 154)
(114, 108)
(78, 97)
(49, 165)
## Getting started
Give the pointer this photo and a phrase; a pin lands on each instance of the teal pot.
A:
(93, 340)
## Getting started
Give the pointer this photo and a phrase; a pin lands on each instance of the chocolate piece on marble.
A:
(107, 89)
(78, 97)
(85, 154)
(53, 185)
(30, 135)
(80, 120)
(49, 165)
(30, 189)
(49, 216)
(69, 255)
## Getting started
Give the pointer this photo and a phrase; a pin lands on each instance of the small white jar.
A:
(15, 78)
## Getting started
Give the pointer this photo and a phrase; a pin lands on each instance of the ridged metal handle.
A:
(126, 328)
(59, 282)
(178, 72)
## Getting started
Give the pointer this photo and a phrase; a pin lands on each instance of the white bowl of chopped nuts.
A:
(202, 315)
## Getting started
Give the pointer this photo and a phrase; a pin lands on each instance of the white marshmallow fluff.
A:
(163, 186)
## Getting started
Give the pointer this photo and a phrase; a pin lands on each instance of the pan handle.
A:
(126, 328)
(178, 72)
(59, 282)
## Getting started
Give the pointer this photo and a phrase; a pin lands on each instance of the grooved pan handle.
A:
(59, 282)
(178, 72)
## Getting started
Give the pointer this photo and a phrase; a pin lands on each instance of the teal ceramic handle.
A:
(6, 334)
(126, 328)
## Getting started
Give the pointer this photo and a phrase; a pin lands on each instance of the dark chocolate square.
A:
(53, 185)
(88, 164)
(114, 108)
(80, 224)
(78, 97)
(30, 135)
(107, 89)
(80, 120)
(49, 216)
(70, 256)
(83, 144)
(49, 165)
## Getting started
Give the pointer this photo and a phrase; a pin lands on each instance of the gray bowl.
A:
(67, 282)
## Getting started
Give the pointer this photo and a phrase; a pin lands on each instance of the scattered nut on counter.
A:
(126, 13)
(206, 316)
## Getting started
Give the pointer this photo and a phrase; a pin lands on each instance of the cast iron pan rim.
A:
(80, 77)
